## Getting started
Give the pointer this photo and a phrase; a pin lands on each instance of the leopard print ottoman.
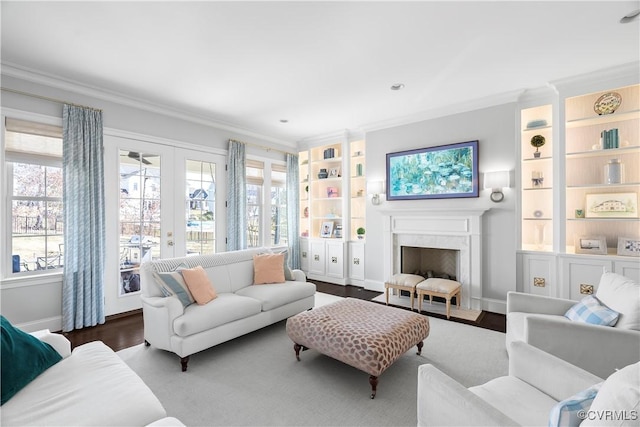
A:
(363, 334)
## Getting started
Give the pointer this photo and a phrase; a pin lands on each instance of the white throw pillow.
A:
(621, 294)
(618, 401)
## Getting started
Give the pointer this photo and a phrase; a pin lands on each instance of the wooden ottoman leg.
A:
(386, 294)
(297, 348)
(412, 292)
(420, 344)
(448, 306)
(373, 380)
(458, 299)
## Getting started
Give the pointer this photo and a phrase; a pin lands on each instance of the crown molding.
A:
(447, 110)
(61, 83)
(603, 79)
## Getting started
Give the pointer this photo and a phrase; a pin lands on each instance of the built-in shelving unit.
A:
(536, 168)
(587, 158)
(357, 188)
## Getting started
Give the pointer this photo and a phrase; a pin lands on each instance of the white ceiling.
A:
(324, 66)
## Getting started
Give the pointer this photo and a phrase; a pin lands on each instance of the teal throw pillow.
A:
(24, 357)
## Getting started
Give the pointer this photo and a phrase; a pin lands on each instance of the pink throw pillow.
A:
(268, 268)
(199, 285)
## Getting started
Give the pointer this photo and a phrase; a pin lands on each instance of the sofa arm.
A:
(59, 342)
(597, 349)
(539, 304)
(442, 401)
(299, 276)
(159, 314)
(548, 373)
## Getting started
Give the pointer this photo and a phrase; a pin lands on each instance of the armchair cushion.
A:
(620, 394)
(566, 412)
(591, 310)
(621, 294)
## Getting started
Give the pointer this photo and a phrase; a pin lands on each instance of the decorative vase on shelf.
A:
(613, 172)
(538, 235)
(323, 174)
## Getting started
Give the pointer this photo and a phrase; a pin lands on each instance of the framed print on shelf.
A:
(334, 172)
(591, 245)
(628, 246)
(445, 171)
(327, 229)
(612, 205)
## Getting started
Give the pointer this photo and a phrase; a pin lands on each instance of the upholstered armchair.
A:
(540, 321)
(537, 381)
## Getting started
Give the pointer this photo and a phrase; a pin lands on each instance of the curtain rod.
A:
(264, 147)
(46, 98)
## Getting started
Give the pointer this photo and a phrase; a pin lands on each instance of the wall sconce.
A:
(496, 181)
(374, 189)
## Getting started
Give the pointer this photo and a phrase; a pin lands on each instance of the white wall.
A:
(495, 129)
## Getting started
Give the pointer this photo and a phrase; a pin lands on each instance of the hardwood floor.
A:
(127, 329)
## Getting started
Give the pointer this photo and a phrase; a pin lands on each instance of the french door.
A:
(162, 202)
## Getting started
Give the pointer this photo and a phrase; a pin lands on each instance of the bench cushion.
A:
(441, 286)
(403, 279)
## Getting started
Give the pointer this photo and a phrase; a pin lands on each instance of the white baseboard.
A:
(494, 305)
(54, 324)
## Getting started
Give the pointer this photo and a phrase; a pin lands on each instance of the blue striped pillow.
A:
(172, 283)
(567, 412)
(591, 310)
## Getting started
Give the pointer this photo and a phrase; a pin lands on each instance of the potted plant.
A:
(360, 232)
(537, 141)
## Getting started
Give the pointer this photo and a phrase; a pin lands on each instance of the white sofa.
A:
(540, 321)
(537, 381)
(240, 307)
(90, 386)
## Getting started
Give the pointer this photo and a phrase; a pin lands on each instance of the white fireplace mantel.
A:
(456, 229)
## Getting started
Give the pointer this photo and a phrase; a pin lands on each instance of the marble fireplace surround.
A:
(454, 229)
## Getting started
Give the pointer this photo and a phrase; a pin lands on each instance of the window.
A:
(200, 207)
(278, 205)
(33, 154)
(255, 181)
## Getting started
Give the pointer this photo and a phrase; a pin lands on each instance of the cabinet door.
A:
(335, 259)
(304, 255)
(317, 259)
(630, 269)
(538, 275)
(581, 276)
(356, 261)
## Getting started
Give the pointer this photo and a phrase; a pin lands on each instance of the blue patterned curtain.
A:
(236, 197)
(84, 233)
(293, 208)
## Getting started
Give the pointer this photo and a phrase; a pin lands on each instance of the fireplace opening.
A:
(430, 263)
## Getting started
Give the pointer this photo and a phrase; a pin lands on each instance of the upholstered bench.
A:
(443, 288)
(402, 282)
(362, 334)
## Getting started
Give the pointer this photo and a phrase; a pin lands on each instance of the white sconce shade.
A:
(496, 181)
(374, 189)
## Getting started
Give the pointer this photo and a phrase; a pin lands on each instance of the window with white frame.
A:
(278, 205)
(255, 181)
(33, 156)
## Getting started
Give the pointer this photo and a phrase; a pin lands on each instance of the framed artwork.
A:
(334, 172)
(591, 245)
(611, 205)
(327, 229)
(445, 171)
(628, 246)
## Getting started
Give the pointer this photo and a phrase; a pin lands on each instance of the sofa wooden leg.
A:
(373, 380)
(183, 362)
(146, 343)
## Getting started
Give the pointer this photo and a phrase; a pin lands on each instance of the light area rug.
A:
(434, 307)
(255, 380)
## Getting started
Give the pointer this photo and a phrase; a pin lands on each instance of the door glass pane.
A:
(254, 202)
(139, 215)
(200, 205)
